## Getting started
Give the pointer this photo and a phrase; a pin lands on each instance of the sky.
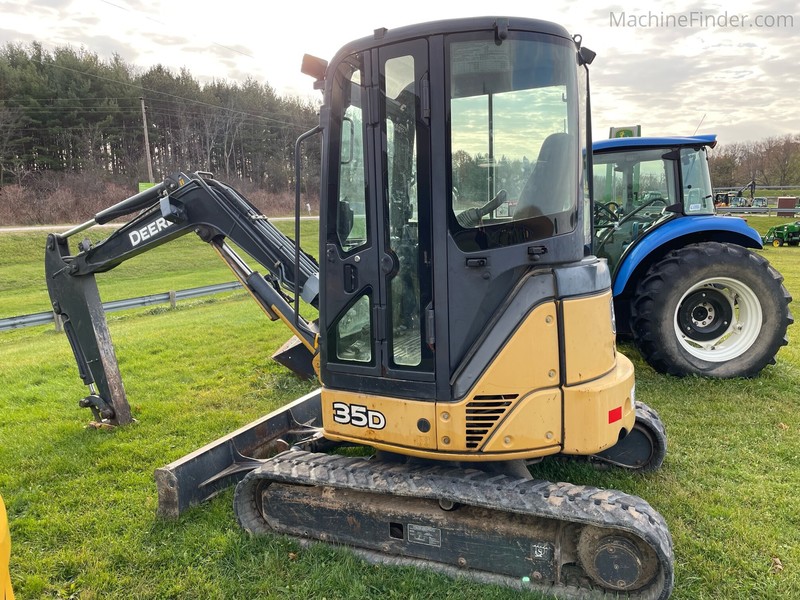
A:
(673, 67)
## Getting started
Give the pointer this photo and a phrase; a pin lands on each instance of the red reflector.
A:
(614, 415)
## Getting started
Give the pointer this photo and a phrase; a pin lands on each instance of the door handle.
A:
(350, 278)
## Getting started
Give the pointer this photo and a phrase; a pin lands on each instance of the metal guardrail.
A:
(758, 187)
(757, 210)
(43, 318)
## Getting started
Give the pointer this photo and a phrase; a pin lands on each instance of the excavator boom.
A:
(180, 205)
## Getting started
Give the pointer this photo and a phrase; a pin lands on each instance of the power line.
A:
(141, 88)
(167, 94)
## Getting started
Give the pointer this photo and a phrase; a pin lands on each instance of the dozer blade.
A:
(202, 474)
(563, 540)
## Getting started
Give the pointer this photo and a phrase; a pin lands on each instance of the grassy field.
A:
(82, 502)
(183, 263)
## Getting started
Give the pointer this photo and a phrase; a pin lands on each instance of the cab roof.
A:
(709, 140)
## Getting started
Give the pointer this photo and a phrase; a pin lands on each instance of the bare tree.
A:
(752, 163)
(722, 163)
(10, 120)
(782, 155)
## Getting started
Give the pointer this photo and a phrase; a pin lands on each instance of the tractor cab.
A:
(641, 183)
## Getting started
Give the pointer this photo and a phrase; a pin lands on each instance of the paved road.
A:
(48, 228)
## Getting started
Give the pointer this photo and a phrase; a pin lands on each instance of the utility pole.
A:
(147, 143)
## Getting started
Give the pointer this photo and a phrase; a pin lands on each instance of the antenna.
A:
(700, 123)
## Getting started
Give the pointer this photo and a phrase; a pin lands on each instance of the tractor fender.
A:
(681, 232)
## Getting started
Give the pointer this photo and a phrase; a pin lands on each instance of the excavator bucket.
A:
(295, 356)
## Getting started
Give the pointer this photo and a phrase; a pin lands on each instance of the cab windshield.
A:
(514, 141)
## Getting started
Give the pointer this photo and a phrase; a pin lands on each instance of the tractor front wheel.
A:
(711, 309)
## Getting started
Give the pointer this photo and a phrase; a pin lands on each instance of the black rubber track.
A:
(558, 501)
(658, 293)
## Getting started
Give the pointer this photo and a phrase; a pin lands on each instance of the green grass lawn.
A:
(82, 502)
(183, 263)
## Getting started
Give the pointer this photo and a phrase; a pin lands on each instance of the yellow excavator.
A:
(464, 331)
(6, 592)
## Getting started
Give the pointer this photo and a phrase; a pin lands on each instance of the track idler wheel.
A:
(644, 448)
(616, 561)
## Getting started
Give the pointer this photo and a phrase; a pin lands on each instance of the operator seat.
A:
(550, 189)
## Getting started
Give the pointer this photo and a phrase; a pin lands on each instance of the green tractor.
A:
(788, 233)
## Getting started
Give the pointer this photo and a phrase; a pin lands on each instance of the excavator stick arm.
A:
(76, 301)
(181, 204)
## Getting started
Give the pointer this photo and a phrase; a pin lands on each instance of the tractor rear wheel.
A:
(711, 309)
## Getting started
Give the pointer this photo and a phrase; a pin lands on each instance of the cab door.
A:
(377, 308)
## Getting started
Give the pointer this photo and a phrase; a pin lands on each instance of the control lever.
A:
(471, 217)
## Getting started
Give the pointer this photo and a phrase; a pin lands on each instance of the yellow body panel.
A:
(397, 425)
(535, 423)
(529, 359)
(516, 408)
(447, 437)
(6, 593)
(525, 423)
(589, 409)
(588, 338)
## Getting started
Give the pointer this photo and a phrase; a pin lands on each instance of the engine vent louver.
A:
(483, 414)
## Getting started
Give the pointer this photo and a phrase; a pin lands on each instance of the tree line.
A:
(773, 161)
(69, 111)
(70, 117)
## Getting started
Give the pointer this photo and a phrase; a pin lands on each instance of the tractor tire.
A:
(711, 309)
(777, 242)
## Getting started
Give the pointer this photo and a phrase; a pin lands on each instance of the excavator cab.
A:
(452, 249)
(464, 332)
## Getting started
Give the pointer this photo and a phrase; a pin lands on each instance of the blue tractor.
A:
(687, 286)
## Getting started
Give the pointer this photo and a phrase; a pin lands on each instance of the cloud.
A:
(15, 37)
(666, 78)
(105, 47)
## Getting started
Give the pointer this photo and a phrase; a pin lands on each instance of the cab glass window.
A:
(698, 195)
(351, 206)
(514, 140)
